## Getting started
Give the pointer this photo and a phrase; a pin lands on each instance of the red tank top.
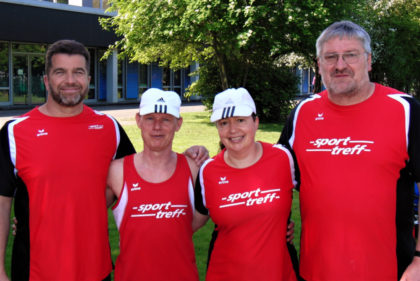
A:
(250, 207)
(154, 221)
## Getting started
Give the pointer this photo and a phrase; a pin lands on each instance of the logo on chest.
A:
(319, 117)
(166, 210)
(135, 187)
(340, 146)
(251, 198)
(223, 180)
(41, 132)
(96, 127)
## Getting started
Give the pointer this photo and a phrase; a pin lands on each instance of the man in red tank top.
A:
(154, 211)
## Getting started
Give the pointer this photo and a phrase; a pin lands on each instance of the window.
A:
(4, 72)
(121, 78)
(176, 81)
(92, 73)
(102, 75)
(28, 69)
(172, 80)
(101, 4)
(144, 78)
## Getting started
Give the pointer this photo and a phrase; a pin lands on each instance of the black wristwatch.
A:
(417, 253)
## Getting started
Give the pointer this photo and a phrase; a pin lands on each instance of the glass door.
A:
(28, 85)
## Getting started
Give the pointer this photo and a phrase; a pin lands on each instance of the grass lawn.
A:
(196, 130)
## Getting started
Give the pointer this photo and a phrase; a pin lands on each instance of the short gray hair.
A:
(344, 29)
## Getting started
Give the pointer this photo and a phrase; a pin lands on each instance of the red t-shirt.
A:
(250, 207)
(61, 166)
(350, 158)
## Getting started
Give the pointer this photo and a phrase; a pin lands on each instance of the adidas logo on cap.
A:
(158, 101)
(229, 101)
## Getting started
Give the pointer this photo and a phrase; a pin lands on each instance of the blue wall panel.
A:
(156, 76)
(132, 81)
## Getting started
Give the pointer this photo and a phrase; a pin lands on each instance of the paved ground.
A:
(123, 113)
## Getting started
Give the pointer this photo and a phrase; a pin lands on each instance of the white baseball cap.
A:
(159, 101)
(232, 102)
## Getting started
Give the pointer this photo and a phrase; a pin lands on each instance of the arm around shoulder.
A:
(197, 152)
(193, 167)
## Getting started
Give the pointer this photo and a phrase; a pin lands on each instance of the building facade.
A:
(27, 27)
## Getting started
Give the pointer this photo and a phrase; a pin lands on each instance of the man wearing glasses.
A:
(356, 145)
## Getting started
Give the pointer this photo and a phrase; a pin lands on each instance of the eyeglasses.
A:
(349, 58)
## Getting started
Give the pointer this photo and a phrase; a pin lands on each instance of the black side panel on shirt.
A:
(405, 221)
(414, 138)
(21, 249)
(285, 136)
(198, 198)
(211, 244)
(405, 192)
(125, 147)
(7, 176)
(12, 185)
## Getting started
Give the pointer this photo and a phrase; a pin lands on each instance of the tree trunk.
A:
(222, 71)
(244, 80)
(221, 63)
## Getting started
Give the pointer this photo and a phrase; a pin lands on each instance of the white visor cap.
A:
(159, 101)
(232, 102)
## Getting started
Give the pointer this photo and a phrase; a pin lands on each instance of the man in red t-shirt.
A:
(54, 160)
(356, 147)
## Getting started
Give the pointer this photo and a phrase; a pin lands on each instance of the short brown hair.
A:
(69, 47)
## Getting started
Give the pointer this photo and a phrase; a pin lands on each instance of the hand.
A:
(198, 153)
(412, 273)
(14, 226)
(290, 232)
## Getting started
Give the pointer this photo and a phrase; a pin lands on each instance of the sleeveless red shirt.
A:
(154, 221)
(250, 207)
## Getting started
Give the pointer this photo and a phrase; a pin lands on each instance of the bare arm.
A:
(5, 205)
(199, 220)
(198, 153)
(412, 273)
(114, 181)
(193, 167)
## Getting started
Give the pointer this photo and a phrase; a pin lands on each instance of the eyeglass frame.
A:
(343, 56)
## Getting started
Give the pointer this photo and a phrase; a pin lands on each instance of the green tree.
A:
(394, 27)
(305, 22)
(177, 32)
(247, 42)
(231, 37)
(395, 31)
